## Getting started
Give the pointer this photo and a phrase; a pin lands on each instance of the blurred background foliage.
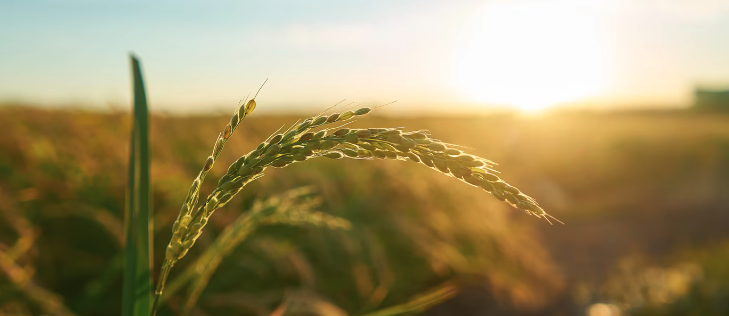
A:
(644, 196)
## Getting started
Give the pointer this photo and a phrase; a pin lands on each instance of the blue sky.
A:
(429, 55)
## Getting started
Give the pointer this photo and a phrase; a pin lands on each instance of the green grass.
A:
(138, 257)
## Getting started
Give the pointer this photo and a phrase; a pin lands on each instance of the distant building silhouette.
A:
(711, 100)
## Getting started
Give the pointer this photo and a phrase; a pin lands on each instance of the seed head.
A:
(196, 228)
(273, 150)
(304, 125)
(377, 131)
(319, 120)
(498, 194)
(512, 199)
(296, 149)
(265, 160)
(327, 144)
(407, 143)
(242, 112)
(320, 134)
(413, 157)
(436, 147)
(490, 177)
(362, 111)
(416, 136)
(280, 163)
(364, 133)
(227, 185)
(367, 146)
(218, 146)
(209, 164)
(194, 187)
(236, 165)
(182, 253)
(351, 138)
(289, 135)
(346, 115)
(227, 131)
(460, 172)
(185, 222)
(306, 137)
(471, 179)
(401, 148)
(314, 145)
(211, 204)
(250, 106)
(441, 165)
(364, 153)
(284, 150)
(474, 163)
(536, 209)
(500, 185)
(276, 139)
(173, 249)
(225, 178)
(386, 146)
(511, 189)
(452, 152)
(486, 185)
(186, 246)
(349, 152)
(426, 160)
(244, 171)
(465, 158)
(423, 141)
(234, 120)
(342, 132)
(333, 118)
(334, 155)
(395, 139)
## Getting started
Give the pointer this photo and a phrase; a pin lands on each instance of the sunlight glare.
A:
(532, 56)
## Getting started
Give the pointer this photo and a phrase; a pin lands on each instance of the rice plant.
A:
(325, 136)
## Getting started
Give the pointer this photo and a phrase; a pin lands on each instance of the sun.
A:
(532, 55)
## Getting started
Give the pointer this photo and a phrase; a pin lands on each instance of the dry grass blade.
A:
(50, 302)
(421, 302)
(19, 276)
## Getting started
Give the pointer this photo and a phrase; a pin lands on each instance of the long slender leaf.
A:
(137, 289)
(421, 302)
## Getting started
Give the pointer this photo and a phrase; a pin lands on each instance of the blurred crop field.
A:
(644, 195)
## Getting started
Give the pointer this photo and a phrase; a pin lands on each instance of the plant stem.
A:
(164, 272)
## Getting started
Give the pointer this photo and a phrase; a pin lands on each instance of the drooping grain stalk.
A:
(182, 223)
(315, 137)
(294, 207)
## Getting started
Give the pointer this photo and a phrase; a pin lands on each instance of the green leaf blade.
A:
(137, 288)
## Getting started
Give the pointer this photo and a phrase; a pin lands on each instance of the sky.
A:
(429, 56)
